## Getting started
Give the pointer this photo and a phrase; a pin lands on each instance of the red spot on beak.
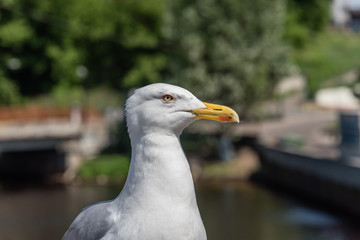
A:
(224, 118)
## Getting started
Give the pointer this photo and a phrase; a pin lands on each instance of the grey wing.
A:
(91, 224)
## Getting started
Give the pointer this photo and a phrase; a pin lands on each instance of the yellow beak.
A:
(216, 112)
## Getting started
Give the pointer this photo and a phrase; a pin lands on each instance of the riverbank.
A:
(113, 169)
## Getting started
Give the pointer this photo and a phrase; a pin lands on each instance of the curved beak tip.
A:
(235, 118)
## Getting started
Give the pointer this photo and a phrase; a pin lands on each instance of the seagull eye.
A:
(167, 98)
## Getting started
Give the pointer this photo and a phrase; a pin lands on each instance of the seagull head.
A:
(167, 108)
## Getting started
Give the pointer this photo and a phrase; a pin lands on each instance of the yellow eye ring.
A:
(167, 98)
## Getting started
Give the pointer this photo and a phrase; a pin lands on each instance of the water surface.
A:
(231, 211)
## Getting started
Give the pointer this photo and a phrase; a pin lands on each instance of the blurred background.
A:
(290, 68)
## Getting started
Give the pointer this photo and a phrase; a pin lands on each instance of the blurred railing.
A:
(47, 140)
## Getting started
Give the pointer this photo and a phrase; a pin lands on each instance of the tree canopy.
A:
(64, 45)
(304, 19)
(232, 51)
(229, 51)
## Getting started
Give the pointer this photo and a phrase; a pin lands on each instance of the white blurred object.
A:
(291, 84)
(14, 64)
(337, 98)
(340, 11)
(81, 71)
(353, 4)
(340, 15)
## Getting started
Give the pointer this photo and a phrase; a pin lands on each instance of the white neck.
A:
(159, 170)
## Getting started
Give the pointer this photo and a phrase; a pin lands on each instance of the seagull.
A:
(158, 199)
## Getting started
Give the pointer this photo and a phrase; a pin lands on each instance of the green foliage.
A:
(327, 55)
(295, 33)
(146, 70)
(9, 93)
(113, 166)
(15, 33)
(304, 19)
(64, 95)
(227, 51)
(99, 98)
(116, 41)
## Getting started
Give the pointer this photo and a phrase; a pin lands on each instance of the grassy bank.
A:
(105, 168)
(114, 168)
(329, 54)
